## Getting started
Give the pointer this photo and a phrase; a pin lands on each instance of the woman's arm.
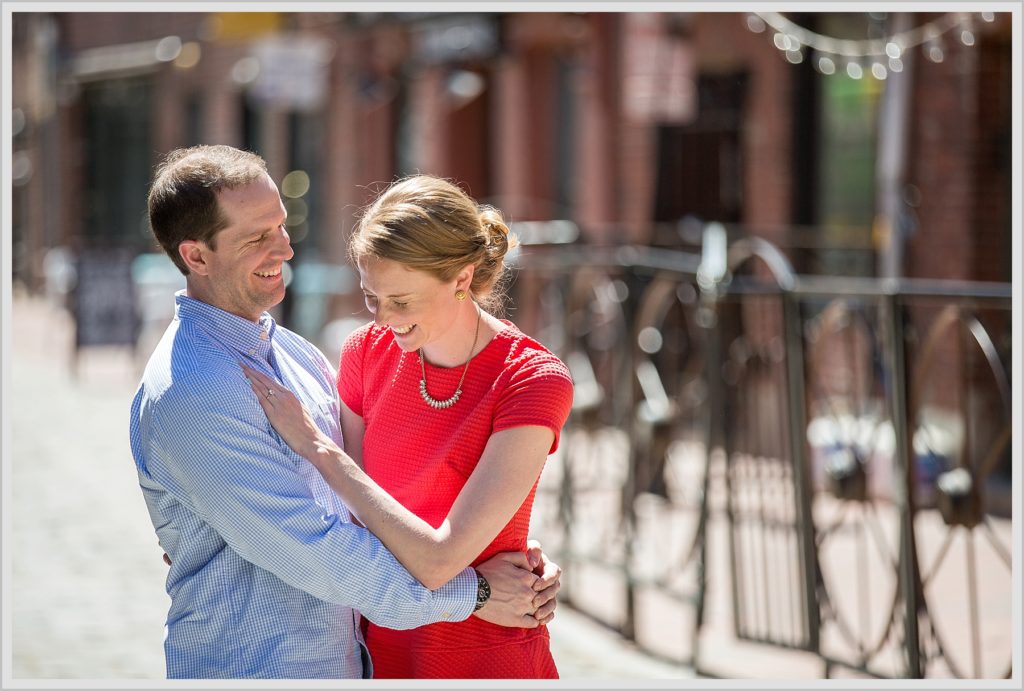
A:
(507, 470)
(352, 431)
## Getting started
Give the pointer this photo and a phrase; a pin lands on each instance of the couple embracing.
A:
(365, 521)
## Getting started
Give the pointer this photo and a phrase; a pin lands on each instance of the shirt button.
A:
(252, 351)
(446, 615)
(264, 336)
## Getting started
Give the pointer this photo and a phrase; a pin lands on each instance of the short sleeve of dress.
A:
(350, 368)
(539, 392)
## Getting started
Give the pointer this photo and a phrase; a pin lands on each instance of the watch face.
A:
(483, 591)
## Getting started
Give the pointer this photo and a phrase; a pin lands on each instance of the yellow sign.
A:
(242, 25)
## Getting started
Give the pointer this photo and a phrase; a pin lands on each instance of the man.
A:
(268, 574)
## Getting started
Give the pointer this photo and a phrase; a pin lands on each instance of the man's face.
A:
(243, 275)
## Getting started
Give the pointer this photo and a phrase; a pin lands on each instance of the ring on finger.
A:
(270, 392)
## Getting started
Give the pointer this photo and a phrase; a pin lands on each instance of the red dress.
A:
(423, 457)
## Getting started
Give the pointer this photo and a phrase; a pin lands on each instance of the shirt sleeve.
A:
(539, 392)
(220, 458)
(350, 369)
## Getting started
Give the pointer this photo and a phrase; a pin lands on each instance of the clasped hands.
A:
(523, 588)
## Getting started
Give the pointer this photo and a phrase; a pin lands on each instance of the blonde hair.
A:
(430, 224)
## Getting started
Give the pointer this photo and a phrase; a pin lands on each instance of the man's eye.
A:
(400, 304)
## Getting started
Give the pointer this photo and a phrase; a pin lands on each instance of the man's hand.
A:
(511, 577)
(548, 583)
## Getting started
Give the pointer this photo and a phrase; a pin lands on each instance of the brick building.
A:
(624, 122)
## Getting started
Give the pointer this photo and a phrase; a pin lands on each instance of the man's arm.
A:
(213, 454)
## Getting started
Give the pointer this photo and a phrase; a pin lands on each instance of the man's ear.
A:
(193, 253)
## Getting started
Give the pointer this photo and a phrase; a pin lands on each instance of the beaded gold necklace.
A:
(449, 402)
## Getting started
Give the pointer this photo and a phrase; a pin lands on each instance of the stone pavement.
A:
(87, 599)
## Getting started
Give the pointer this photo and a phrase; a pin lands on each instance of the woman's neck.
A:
(473, 328)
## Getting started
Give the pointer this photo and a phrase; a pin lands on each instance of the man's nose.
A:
(284, 246)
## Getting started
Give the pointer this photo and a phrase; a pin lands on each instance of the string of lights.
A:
(878, 56)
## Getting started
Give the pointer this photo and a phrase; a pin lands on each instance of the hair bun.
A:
(492, 221)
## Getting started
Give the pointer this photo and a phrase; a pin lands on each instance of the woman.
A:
(450, 411)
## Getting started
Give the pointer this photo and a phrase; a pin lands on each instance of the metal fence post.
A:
(903, 491)
(795, 378)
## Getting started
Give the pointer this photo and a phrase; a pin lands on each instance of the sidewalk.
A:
(87, 587)
(584, 649)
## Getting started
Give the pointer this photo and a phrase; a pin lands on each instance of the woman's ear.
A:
(464, 278)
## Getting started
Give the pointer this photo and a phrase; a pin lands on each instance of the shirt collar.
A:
(248, 338)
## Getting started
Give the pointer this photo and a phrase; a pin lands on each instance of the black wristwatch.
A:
(483, 591)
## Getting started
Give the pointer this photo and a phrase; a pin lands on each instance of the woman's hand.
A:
(288, 415)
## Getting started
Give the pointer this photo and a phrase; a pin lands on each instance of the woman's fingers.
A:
(258, 378)
(266, 388)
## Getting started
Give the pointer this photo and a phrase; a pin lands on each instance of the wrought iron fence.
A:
(852, 434)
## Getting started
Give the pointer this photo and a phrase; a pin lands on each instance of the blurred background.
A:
(774, 250)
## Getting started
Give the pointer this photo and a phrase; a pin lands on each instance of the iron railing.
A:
(850, 434)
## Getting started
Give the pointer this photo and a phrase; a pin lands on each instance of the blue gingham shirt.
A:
(269, 573)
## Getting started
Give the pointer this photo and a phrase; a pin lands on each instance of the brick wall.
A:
(960, 135)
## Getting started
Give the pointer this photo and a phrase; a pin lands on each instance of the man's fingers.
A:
(546, 595)
(167, 559)
(552, 574)
(518, 559)
(545, 611)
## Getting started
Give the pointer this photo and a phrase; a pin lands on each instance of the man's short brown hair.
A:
(183, 198)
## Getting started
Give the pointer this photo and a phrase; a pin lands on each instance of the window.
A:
(118, 161)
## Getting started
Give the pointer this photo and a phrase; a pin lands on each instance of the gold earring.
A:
(460, 294)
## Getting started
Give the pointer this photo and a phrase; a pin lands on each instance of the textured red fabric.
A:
(424, 456)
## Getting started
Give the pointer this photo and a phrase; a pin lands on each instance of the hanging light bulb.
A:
(878, 54)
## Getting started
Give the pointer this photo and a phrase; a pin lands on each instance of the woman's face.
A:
(417, 307)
